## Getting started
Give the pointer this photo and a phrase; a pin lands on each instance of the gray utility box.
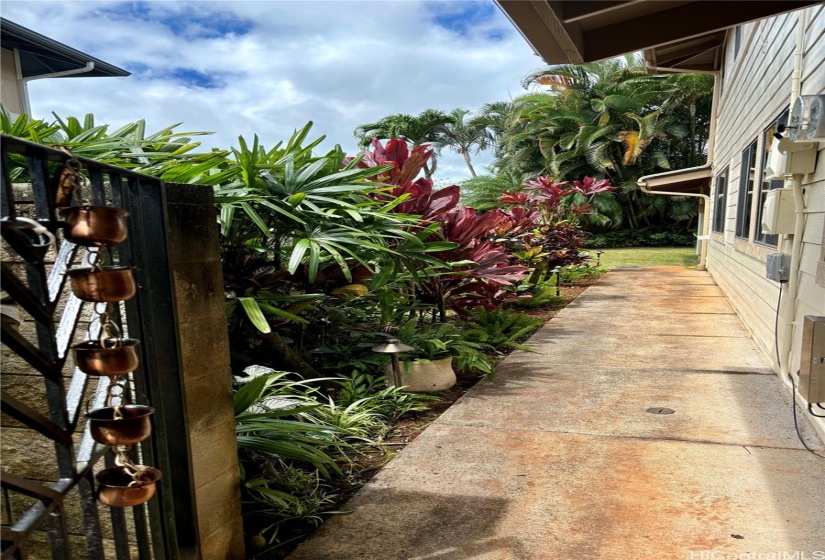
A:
(812, 366)
(778, 267)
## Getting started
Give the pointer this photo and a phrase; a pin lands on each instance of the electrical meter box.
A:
(778, 267)
(812, 366)
(778, 212)
(787, 157)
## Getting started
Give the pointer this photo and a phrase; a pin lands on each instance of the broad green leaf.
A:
(253, 311)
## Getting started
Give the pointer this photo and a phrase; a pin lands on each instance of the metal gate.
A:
(57, 515)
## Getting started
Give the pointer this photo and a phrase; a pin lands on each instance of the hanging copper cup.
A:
(121, 425)
(95, 226)
(109, 355)
(103, 283)
(124, 487)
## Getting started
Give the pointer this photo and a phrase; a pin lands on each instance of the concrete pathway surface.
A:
(558, 457)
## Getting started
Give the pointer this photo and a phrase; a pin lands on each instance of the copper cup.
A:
(117, 488)
(95, 358)
(95, 226)
(106, 284)
(134, 426)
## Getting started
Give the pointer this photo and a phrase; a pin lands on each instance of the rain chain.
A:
(119, 424)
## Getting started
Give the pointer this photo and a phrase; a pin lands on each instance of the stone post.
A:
(204, 352)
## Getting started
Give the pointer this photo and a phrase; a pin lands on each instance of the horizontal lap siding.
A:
(756, 90)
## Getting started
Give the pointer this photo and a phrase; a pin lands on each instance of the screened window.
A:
(720, 201)
(746, 184)
(765, 185)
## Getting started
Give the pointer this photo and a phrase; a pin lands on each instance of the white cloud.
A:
(271, 66)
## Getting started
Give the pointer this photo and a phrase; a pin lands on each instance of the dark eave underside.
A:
(40, 55)
(683, 34)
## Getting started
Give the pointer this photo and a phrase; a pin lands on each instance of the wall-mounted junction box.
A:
(787, 157)
(778, 267)
(778, 212)
(812, 366)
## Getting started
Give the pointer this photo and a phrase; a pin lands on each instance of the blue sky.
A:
(268, 67)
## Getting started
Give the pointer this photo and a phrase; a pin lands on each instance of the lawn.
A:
(649, 256)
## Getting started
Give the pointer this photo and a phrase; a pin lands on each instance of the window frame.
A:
(747, 184)
(720, 201)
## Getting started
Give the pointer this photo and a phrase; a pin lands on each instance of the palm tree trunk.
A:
(466, 155)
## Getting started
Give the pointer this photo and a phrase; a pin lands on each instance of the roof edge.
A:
(11, 28)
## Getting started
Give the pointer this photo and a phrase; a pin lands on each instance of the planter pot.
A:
(427, 375)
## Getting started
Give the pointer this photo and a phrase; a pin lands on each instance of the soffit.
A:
(40, 55)
(693, 180)
(685, 34)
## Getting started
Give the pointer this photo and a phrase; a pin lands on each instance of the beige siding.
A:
(756, 89)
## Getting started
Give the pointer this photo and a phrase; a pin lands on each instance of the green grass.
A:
(650, 256)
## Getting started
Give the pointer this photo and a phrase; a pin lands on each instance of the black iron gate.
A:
(57, 515)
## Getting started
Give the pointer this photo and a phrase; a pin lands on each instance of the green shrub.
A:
(500, 328)
(653, 236)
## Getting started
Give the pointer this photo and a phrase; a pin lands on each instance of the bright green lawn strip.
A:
(649, 256)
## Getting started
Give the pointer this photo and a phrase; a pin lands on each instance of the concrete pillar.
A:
(204, 351)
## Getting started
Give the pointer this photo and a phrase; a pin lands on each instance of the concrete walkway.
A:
(557, 458)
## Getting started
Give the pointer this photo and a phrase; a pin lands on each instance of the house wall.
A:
(9, 86)
(756, 88)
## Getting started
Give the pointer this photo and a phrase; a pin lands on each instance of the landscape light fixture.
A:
(557, 272)
(393, 347)
(599, 257)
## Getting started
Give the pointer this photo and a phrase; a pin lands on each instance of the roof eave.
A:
(38, 41)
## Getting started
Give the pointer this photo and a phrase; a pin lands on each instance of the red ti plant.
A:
(542, 224)
(558, 202)
(407, 166)
(480, 266)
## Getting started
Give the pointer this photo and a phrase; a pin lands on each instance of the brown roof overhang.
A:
(680, 34)
(694, 180)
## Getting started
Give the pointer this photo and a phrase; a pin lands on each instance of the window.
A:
(765, 186)
(720, 201)
(746, 183)
(737, 40)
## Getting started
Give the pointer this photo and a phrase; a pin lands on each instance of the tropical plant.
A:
(484, 192)
(466, 134)
(129, 146)
(267, 406)
(433, 341)
(500, 328)
(609, 119)
(426, 128)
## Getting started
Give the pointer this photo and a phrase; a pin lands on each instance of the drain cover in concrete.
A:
(660, 410)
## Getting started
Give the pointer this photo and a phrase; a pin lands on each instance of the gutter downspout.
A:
(786, 348)
(704, 238)
(24, 82)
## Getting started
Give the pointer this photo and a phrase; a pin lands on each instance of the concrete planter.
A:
(426, 375)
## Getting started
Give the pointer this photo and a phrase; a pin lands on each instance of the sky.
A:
(268, 67)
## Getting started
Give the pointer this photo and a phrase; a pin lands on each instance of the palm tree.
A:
(465, 135)
(426, 128)
(608, 119)
(484, 192)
